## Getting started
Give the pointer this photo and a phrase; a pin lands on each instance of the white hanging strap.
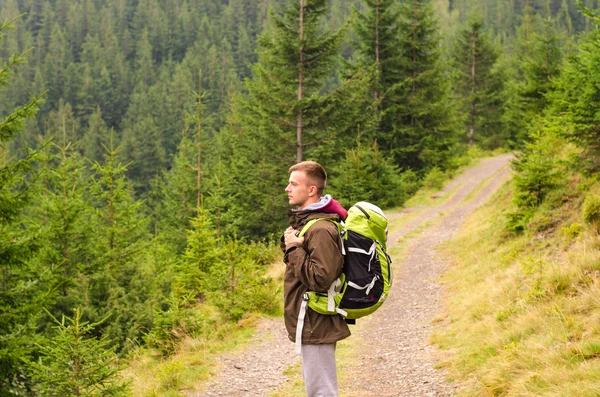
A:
(333, 291)
(300, 324)
(368, 287)
(372, 251)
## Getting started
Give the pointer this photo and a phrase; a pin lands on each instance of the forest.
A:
(145, 147)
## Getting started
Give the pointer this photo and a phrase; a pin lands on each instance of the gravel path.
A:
(393, 357)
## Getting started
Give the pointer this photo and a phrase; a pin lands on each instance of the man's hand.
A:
(291, 239)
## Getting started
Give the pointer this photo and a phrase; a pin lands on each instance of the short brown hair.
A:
(314, 171)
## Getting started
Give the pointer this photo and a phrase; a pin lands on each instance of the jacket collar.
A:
(300, 218)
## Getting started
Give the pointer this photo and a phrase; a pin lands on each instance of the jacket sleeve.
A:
(319, 261)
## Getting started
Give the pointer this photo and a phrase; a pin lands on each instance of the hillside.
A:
(522, 310)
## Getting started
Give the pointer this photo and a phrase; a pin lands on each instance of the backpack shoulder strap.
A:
(313, 221)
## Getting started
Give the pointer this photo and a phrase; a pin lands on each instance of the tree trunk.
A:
(199, 145)
(300, 84)
(65, 221)
(111, 205)
(473, 60)
(376, 93)
(414, 58)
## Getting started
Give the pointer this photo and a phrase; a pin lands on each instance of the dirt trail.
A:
(393, 357)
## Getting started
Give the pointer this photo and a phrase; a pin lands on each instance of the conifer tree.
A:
(66, 219)
(540, 64)
(22, 287)
(284, 114)
(367, 174)
(94, 137)
(179, 196)
(294, 59)
(75, 363)
(479, 85)
(201, 254)
(425, 117)
(119, 276)
(577, 97)
(379, 44)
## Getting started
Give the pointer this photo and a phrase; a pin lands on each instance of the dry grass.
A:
(192, 365)
(523, 313)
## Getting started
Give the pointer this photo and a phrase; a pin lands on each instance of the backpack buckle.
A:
(305, 297)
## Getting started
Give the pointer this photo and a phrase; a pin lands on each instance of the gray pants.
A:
(319, 370)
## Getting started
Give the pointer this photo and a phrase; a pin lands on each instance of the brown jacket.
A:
(313, 266)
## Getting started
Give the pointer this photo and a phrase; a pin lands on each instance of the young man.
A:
(313, 262)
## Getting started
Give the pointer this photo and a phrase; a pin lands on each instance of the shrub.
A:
(410, 182)
(237, 286)
(183, 318)
(434, 179)
(572, 231)
(537, 173)
(590, 211)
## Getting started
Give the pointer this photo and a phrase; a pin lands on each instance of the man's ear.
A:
(312, 190)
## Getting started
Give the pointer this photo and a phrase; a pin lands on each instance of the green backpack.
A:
(366, 275)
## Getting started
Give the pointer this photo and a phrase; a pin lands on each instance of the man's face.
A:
(300, 190)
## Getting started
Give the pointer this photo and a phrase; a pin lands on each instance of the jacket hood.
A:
(326, 205)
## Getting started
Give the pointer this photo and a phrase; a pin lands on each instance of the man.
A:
(313, 262)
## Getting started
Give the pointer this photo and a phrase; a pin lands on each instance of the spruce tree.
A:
(95, 136)
(294, 59)
(66, 222)
(119, 276)
(378, 44)
(576, 100)
(76, 363)
(425, 132)
(540, 63)
(283, 115)
(179, 196)
(479, 85)
(22, 287)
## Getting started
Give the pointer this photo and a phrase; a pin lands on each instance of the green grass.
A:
(522, 314)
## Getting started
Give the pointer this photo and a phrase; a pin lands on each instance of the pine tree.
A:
(75, 363)
(201, 254)
(577, 97)
(55, 64)
(366, 174)
(293, 61)
(379, 35)
(119, 274)
(479, 85)
(22, 287)
(425, 118)
(94, 137)
(143, 140)
(179, 192)
(283, 114)
(541, 58)
(66, 219)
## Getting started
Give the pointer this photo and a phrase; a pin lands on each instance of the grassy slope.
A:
(523, 312)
